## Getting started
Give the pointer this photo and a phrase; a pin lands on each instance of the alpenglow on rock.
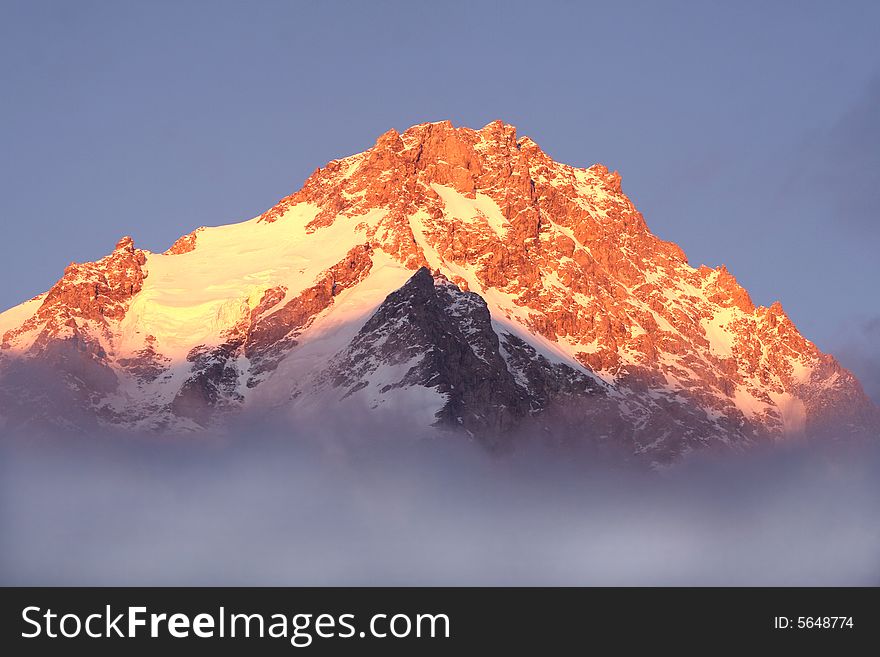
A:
(447, 277)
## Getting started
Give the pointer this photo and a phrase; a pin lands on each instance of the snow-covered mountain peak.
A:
(587, 307)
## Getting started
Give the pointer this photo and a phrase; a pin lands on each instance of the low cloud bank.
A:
(322, 509)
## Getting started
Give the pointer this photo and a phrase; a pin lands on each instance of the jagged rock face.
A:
(272, 336)
(432, 334)
(94, 292)
(574, 261)
(583, 321)
(443, 339)
(185, 243)
(66, 336)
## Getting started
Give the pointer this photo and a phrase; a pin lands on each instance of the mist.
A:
(329, 506)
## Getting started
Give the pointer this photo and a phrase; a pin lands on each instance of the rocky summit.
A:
(455, 280)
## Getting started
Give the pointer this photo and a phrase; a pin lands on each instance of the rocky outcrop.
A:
(91, 292)
(443, 338)
(271, 336)
(185, 243)
(66, 340)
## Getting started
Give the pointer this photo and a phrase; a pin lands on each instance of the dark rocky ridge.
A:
(448, 334)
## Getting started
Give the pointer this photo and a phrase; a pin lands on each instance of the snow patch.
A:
(481, 208)
(721, 339)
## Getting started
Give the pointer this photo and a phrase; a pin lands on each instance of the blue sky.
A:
(746, 132)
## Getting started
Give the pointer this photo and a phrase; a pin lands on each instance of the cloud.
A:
(293, 510)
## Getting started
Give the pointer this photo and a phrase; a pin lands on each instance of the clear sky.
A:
(747, 132)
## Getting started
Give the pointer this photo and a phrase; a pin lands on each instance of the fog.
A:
(328, 507)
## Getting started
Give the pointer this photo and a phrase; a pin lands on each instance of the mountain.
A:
(446, 277)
